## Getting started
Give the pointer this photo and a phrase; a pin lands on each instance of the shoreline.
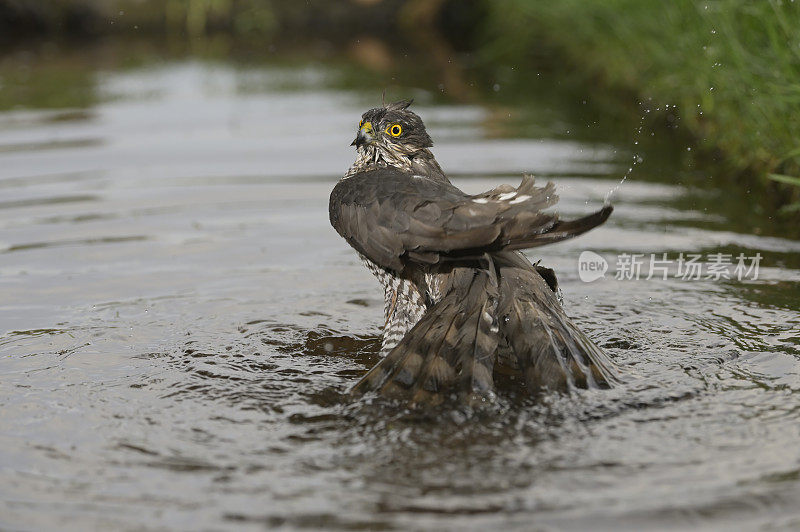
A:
(731, 76)
(692, 69)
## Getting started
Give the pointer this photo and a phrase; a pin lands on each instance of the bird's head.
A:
(392, 132)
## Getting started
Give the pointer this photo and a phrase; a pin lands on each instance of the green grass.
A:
(732, 67)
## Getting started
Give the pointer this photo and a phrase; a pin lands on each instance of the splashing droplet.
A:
(637, 158)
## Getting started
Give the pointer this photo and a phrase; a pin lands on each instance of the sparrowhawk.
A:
(462, 304)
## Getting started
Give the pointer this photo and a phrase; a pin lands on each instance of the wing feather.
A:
(392, 217)
(452, 349)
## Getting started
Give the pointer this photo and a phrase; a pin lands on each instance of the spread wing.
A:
(393, 217)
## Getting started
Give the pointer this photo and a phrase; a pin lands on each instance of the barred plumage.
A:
(460, 302)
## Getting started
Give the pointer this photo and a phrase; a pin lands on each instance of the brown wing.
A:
(549, 349)
(392, 217)
(452, 349)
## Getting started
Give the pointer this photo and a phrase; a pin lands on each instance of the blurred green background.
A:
(721, 76)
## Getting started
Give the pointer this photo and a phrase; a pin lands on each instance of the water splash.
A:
(637, 158)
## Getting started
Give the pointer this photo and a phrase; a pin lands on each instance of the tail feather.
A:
(550, 351)
(477, 361)
(505, 305)
(452, 349)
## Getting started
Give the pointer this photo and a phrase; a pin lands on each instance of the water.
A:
(179, 325)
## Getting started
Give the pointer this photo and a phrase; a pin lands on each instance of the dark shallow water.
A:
(179, 324)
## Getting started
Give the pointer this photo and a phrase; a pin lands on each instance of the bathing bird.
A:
(463, 307)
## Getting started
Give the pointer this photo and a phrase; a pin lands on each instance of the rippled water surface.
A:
(179, 325)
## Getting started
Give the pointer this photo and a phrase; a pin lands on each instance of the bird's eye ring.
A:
(394, 130)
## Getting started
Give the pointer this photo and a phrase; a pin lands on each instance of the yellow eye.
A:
(360, 123)
(394, 130)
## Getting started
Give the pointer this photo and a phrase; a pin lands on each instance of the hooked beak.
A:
(364, 135)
